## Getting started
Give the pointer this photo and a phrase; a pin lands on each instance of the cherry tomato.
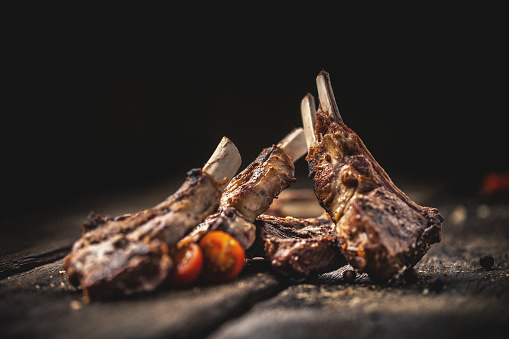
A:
(223, 256)
(188, 265)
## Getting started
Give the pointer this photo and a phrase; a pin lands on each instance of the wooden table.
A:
(36, 300)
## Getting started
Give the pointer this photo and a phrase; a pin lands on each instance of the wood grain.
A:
(453, 296)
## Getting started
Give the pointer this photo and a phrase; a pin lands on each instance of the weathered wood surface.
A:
(36, 300)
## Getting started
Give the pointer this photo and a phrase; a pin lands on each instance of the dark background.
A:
(100, 99)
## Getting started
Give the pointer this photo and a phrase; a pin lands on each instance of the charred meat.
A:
(299, 247)
(131, 253)
(252, 191)
(381, 231)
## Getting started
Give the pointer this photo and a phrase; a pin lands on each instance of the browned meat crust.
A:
(248, 195)
(299, 247)
(129, 254)
(118, 266)
(251, 192)
(381, 231)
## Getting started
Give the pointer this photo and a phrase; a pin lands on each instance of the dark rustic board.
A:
(45, 300)
(473, 303)
(453, 297)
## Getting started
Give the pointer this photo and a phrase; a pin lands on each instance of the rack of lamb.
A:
(380, 230)
(132, 253)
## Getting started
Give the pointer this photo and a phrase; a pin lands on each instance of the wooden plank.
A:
(306, 311)
(42, 303)
(16, 263)
(471, 303)
(38, 301)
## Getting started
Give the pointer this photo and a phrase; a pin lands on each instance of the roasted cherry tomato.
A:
(223, 256)
(188, 265)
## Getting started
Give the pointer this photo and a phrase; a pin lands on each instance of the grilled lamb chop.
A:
(252, 191)
(381, 231)
(299, 247)
(130, 253)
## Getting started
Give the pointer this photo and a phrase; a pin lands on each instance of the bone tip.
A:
(225, 161)
(294, 144)
(298, 131)
(294, 134)
(308, 98)
(224, 141)
(227, 141)
(323, 73)
(233, 148)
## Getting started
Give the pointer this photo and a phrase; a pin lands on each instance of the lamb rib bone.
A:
(294, 144)
(326, 96)
(224, 163)
(308, 113)
(172, 227)
(252, 191)
(381, 231)
(131, 253)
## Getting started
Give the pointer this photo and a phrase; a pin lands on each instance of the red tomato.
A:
(188, 265)
(223, 256)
